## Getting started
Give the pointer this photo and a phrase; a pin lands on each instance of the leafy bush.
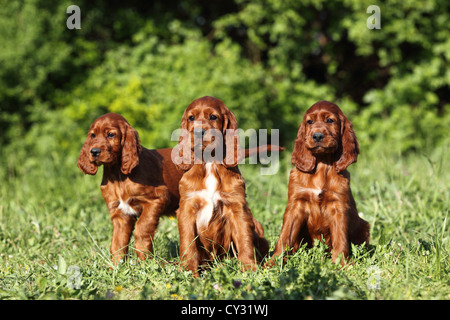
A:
(267, 60)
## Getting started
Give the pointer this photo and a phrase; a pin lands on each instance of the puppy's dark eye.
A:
(309, 122)
(330, 120)
(110, 135)
(92, 135)
(191, 118)
(212, 117)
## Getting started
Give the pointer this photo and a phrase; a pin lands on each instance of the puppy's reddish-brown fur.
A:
(138, 184)
(320, 201)
(213, 218)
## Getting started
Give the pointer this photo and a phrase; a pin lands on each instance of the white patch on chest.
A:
(209, 195)
(126, 208)
(315, 191)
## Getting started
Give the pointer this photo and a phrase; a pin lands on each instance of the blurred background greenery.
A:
(268, 60)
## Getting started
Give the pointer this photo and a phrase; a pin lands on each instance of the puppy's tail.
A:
(256, 150)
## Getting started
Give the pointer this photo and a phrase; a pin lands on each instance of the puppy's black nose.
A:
(318, 136)
(95, 152)
(199, 132)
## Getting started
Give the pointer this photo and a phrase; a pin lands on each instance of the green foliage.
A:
(268, 60)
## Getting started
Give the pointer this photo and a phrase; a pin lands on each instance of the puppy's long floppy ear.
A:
(183, 151)
(131, 148)
(83, 160)
(233, 154)
(302, 158)
(349, 144)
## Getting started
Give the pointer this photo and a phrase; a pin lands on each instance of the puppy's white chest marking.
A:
(209, 195)
(315, 191)
(126, 208)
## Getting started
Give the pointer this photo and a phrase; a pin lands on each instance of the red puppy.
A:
(137, 182)
(320, 201)
(213, 218)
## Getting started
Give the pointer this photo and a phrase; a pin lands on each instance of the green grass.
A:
(54, 227)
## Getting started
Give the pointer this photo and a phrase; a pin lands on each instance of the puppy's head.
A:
(207, 122)
(325, 132)
(111, 140)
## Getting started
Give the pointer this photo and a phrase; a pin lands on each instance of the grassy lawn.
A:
(55, 234)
